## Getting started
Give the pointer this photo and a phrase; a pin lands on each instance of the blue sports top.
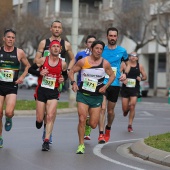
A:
(115, 57)
(79, 56)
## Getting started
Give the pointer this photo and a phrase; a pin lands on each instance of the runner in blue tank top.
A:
(115, 55)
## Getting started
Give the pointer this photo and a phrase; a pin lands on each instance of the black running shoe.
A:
(38, 124)
(45, 146)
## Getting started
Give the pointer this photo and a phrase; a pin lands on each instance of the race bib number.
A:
(46, 53)
(131, 83)
(114, 70)
(48, 82)
(6, 75)
(90, 84)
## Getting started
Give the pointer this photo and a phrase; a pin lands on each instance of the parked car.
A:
(29, 81)
(144, 88)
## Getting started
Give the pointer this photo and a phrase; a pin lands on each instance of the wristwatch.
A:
(72, 82)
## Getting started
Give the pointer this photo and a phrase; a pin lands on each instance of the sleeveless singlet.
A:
(46, 49)
(51, 80)
(132, 75)
(91, 78)
(9, 66)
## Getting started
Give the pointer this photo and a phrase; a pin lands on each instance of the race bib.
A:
(6, 75)
(48, 82)
(131, 82)
(114, 70)
(46, 53)
(90, 84)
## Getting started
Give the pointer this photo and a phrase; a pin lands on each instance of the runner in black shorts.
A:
(11, 57)
(44, 94)
(8, 89)
(114, 54)
(49, 78)
(112, 93)
(130, 88)
(66, 53)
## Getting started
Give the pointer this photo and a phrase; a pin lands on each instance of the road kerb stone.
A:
(33, 112)
(140, 149)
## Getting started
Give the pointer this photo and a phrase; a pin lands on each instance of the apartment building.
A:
(95, 16)
(51, 10)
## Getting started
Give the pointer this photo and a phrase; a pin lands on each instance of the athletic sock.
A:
(108, 128)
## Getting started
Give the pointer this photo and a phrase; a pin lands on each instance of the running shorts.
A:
(5, 90)
(91, 101)
(112, 93)
(44, 94)
(129, 92)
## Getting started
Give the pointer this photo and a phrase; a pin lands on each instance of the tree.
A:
(30, 30)
(135, 23)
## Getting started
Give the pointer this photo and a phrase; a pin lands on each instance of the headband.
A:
(54, 42)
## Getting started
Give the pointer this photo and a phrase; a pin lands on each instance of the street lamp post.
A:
(156, 52)
(74, 43)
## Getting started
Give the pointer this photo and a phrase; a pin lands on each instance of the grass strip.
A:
(161, 141)
(31, 105)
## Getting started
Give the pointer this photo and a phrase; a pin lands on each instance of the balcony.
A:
(86, 20)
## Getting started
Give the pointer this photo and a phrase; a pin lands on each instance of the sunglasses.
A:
(9, 30)
(133, 55)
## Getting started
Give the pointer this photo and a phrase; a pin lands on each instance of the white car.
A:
(29, 81)
(144, 85)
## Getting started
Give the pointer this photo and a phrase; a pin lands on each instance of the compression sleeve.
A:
(65, 75)
(33, 70)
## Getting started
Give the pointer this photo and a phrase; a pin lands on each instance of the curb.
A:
(140, 149)
(33, 112)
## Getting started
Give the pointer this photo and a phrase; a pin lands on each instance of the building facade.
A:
(95, 16)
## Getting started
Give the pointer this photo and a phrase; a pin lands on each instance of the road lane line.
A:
(147, 113)
(97, 151)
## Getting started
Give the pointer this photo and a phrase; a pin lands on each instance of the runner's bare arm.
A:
(77, 67)
(143, 73)
(109, 72)
(39, 50)
(64, 66)
(127, 69)
(22, 58)
(70, 53)
(111, 75)
(122, 67)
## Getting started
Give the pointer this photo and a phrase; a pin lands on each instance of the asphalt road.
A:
(22, 145)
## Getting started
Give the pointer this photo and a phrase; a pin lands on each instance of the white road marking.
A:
(147, 113)
(97, 152)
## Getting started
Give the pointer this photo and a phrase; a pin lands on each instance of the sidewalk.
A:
(140, 149)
